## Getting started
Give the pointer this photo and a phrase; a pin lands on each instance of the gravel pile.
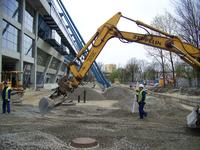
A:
(117, 93)
(125, 144)
(91, 94)
(31, 141)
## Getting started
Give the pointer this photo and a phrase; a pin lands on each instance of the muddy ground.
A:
(110, 122)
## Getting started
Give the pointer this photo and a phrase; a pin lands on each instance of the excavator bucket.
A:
(44, 105)
(193, 119)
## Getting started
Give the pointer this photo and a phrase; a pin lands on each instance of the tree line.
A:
(185, 23)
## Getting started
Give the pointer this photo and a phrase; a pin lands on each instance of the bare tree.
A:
(188, 12)
(132, 69)
(165, 23)
(158, 56)
(189, 20)
(150, 72)
(168, 24)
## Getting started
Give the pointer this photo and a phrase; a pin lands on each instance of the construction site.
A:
(56, 97)
(105, 116)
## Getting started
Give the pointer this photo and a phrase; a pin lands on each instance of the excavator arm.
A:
(88, 54)
(109, 30)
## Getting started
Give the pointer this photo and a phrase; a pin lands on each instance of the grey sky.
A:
(88, 15)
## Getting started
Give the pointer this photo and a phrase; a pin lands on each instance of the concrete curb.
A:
(190, 102)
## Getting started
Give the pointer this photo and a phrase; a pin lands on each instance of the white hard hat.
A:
(141, 86)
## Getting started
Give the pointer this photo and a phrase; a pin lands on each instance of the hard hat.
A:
(141, 86)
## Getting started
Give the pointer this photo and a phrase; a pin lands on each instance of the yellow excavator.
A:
(88, 54)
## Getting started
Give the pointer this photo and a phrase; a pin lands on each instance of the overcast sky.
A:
(88, 15)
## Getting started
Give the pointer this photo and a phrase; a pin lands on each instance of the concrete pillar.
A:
(57, 71)
(34, 67)
(21, 38)
(1, 30)
(47, 67)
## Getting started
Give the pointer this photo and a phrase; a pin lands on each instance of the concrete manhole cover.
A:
(84, 142)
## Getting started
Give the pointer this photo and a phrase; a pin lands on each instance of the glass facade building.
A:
(26, 44)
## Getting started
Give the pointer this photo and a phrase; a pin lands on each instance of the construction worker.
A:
(141, 101)
(6, 97)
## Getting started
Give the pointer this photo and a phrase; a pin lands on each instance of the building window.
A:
(49, 78)
(10, 8)
(54, 64)
(42, 58)
(9, 37)
(28, 46)
(29, 18)
(40, 79)
(44, 30)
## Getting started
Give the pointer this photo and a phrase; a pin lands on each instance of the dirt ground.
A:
(110, 122)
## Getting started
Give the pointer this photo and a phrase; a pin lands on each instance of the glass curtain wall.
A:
(28, 46)
(9, 37)
(10, 8)
(29, 17)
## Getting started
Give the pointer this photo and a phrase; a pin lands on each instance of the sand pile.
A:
(112, 93)
(91, 94)
(116, 93)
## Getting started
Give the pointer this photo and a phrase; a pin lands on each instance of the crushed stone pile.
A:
(91, 94)
(31, 140)
(125, 144)
(117, 93)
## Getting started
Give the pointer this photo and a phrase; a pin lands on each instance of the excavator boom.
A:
(109, 30)
(88, 54)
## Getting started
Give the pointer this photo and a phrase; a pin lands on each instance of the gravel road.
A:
(109, 121)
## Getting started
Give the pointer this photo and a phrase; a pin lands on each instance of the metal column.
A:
(34, 67)
(59, 67)
(46, 68)
(21, 38)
